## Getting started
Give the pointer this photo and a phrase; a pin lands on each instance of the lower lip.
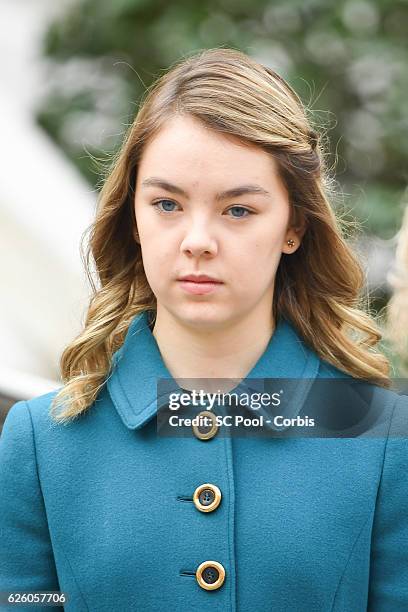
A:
(199, 288)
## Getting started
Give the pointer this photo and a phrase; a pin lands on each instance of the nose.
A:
(198, 241)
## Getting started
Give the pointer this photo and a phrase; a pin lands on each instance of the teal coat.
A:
(102, 508)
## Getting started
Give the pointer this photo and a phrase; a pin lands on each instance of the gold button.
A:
(207, 497)
(210, 575)
(209, 427)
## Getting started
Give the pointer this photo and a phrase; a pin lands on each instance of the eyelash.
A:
(166, 212)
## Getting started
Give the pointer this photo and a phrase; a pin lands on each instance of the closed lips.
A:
(198, 279)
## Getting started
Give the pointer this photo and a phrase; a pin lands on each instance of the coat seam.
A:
(348, 560)
(380, 480)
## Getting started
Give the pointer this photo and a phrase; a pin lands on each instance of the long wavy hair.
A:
(319, 288)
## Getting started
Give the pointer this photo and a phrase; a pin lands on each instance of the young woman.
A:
(218, 257)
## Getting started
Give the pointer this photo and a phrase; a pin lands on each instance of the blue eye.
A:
(241, 208)
(165, 209)
(164, 206)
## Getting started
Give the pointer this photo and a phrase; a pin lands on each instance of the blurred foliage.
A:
(347, 60)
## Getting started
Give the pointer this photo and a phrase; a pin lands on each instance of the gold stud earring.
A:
(291, 242)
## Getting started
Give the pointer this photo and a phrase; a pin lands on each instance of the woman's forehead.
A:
(185, 151)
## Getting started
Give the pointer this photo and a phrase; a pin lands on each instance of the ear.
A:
(293, 239)
(136, 235)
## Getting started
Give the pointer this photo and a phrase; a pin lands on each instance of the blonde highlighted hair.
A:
(319, 288)
(396, 330)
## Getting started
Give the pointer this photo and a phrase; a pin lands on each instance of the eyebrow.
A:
(235, 192)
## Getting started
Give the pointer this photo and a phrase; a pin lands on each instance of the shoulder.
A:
(390, 396)
(31, 423)
(27, 413)
(327, 370)
(25, 421)
(383, 409)
(18, 445)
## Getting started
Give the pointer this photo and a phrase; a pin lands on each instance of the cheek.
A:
(158, 261)
(258, 261)
(269, 249)
(264, 248)
(144, 221)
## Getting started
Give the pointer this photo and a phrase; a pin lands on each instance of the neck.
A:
(228, 352)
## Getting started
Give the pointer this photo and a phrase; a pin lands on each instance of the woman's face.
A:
(188, 223)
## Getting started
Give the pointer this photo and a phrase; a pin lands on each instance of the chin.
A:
(202, 318)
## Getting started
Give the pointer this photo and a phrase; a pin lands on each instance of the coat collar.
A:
(138, 364)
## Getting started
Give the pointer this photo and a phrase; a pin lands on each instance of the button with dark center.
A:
(210, 575)
(207, 497)
(208, 427)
